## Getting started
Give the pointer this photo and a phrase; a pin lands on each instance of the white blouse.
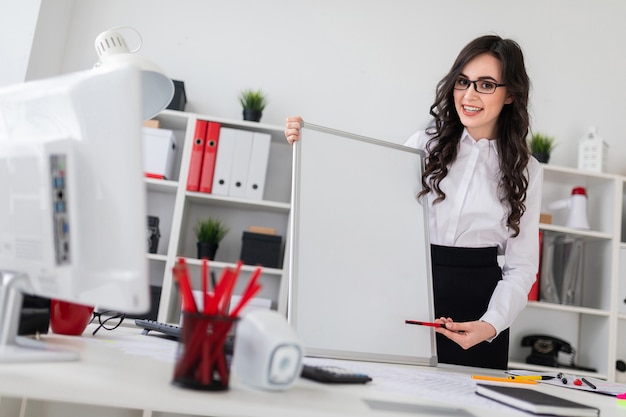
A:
(473, 216)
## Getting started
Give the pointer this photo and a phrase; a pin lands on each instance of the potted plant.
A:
(253, 103)
(209, 232)
(541, 146)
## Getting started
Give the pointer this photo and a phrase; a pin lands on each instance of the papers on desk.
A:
(421, 409)
(435, 386)
(157, 348)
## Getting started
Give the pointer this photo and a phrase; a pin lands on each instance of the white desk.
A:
(112, 378)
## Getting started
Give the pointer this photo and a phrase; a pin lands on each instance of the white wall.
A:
(370, 66)
(48, 48)
(16, 37)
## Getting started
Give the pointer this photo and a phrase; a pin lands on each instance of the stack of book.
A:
(536, 402)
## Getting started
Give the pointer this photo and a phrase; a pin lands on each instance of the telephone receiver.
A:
(545, 349)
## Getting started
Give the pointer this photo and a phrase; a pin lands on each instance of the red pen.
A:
(181, 275)
(425, 323)
(206, 297)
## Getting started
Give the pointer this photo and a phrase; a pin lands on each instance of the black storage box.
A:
(179, 101)
(261, 249)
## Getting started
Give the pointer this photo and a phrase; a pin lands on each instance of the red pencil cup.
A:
(202, 363)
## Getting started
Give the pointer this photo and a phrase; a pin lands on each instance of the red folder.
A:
(210, 152)
(533, 295)
(197, 154)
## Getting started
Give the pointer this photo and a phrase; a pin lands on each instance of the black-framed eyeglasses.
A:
(481, 86)
(110, 320)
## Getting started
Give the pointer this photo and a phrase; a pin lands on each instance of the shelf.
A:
(568, 308)
(244, 268)
(178, 209)
(157, 257)
(566, 174)
(603, 208)
(174, 119)
(588, 235)
(592, 327)
(242, 124)
(164, 186)
(203, 198)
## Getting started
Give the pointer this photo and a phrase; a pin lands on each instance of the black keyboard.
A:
(170, 330)
(174, 332)
(333, 374)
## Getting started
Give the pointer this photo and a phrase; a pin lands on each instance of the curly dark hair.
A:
(512, 126)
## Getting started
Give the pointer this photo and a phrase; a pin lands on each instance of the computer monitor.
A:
(72, 198)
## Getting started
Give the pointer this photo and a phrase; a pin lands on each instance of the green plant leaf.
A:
(540, 143)
(210, 230)
(253, 99)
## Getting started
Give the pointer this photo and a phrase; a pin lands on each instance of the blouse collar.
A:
(466, 137)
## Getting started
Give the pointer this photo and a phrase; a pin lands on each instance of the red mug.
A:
(69, 318)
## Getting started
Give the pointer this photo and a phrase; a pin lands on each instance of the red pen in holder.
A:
(202, 363)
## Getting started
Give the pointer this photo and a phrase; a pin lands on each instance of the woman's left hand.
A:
(466, 334)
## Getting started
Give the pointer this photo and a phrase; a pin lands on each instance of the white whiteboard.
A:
(359, 260)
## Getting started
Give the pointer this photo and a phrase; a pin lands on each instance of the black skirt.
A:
(463, 282)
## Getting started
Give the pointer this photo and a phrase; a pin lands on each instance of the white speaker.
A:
(267, 353)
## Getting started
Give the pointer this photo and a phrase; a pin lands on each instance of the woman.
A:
(484, 194)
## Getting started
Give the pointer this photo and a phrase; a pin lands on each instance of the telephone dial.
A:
(545, 351)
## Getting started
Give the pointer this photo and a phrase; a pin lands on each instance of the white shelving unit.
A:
(590, 328)
(179, 209)
(620, 292)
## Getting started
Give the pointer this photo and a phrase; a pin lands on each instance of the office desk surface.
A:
(126, 370)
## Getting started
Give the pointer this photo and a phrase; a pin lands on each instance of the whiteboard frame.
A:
(405, 344)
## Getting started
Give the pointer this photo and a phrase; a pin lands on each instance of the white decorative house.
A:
(592, 152)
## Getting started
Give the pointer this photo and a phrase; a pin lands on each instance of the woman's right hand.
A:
(292, 129)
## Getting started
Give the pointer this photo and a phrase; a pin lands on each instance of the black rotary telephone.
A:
(545, 350)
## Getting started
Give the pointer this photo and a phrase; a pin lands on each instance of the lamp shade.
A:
(158, 88)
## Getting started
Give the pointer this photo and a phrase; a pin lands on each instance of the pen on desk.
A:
(503, 379)
(586, 381)
(425, 323)
(531, 377)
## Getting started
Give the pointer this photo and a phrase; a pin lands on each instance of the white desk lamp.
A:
(158, 89)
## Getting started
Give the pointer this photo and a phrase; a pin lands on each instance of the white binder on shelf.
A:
(240, 163)
(258, 165)
(224, 160)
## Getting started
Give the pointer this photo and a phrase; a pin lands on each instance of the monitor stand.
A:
(14, 348)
